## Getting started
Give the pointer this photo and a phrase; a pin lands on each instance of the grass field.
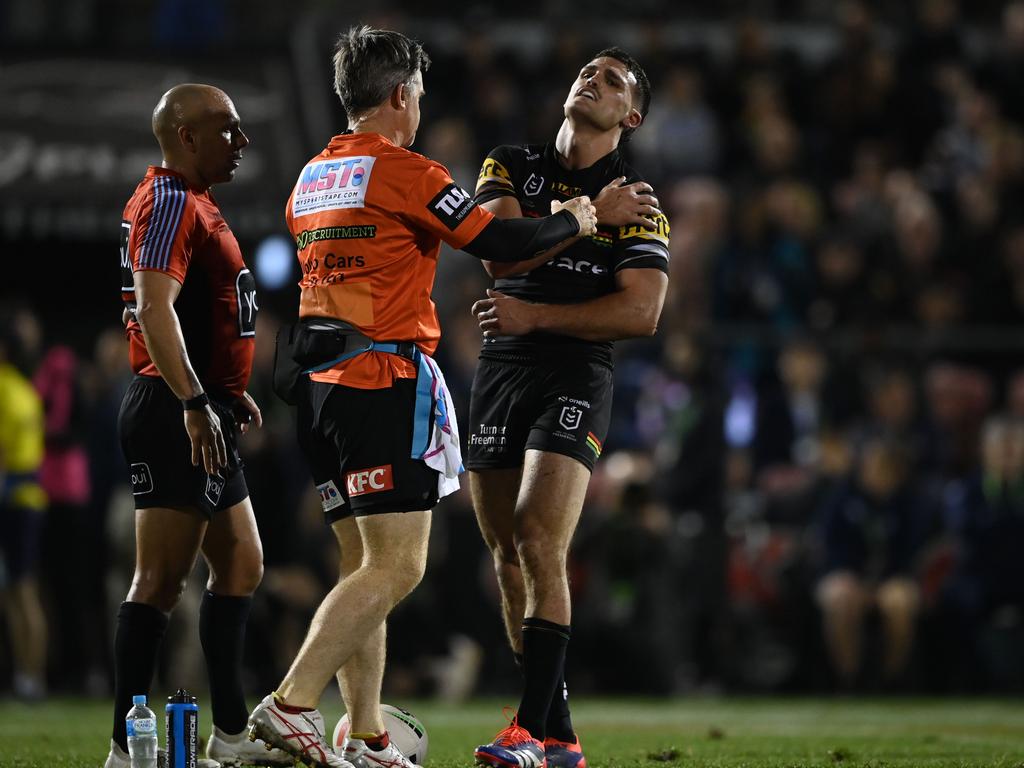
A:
(729, 733)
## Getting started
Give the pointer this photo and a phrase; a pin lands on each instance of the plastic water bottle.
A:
(142, 740)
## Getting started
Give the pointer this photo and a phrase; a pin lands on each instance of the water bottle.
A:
(182, 730)
(142, 741)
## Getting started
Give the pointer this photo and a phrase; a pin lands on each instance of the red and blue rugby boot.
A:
(514, 747)
(564, 754)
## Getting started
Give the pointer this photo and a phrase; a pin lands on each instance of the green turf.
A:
(761, 733)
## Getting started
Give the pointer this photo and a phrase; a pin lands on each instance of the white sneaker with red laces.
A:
(300, 734)
(361, 756)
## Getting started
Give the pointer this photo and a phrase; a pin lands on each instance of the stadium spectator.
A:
(871, 532)
(22, 503)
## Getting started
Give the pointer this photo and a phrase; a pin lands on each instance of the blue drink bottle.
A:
(182, 730)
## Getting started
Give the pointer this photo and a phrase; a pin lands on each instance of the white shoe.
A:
(301, 734)
(118, 758)
(361, 756)
(236, 750)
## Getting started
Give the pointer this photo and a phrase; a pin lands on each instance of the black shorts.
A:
(358, 444)
(159, 453)
(561, 407)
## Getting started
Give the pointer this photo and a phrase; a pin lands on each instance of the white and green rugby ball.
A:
(405, 729)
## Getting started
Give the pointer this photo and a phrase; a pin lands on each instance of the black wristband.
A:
(196, 403)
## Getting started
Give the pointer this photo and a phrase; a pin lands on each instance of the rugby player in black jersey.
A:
(541, 398)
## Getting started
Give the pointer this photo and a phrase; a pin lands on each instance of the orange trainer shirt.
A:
(368, 219)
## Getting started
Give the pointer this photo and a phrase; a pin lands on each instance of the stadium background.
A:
(844, 184)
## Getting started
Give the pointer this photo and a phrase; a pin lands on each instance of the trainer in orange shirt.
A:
(376, 424)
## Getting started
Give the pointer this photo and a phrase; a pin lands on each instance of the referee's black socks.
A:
(544, 644)
(222, 620)
(140, 629)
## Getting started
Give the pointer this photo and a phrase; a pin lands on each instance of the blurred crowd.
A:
(814, 478)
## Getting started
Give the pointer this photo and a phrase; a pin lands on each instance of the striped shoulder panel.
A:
(169, 196)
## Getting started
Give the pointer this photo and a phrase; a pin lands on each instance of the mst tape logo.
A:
(328, 185)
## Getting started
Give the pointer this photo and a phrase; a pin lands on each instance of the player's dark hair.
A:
(643, 85)
(369, 63)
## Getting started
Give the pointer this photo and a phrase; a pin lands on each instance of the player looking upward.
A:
(541, 398)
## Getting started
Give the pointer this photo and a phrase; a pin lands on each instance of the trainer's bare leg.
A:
(495, 492)
(394, 558)
(361, 676)
(550, 501)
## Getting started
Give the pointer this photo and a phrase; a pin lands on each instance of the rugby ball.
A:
(406, 732)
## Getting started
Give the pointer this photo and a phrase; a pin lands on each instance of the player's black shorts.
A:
(358, 445)
(159, 453)
(557, 406)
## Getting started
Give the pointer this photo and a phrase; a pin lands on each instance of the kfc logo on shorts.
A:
(570, 418)
(371, 480)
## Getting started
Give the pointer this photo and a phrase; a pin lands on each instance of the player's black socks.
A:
(222, 621)
(544, 644)
(140, 629)
(559, 723)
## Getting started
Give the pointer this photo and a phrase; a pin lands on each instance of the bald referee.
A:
(190, 312)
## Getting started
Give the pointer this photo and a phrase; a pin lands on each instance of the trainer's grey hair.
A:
(369, 63)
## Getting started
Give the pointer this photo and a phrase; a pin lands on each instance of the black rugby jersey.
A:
(583, 271)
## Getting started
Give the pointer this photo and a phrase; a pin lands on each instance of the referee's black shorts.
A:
(159, 453)
(358, 445)
(560, 406)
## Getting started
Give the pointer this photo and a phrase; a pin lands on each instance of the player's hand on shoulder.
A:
(584, 212)
(623, 205)
(207, 437)
(501, 315)
(247, 413)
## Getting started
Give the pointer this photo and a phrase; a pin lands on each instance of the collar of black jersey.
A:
(599, 168)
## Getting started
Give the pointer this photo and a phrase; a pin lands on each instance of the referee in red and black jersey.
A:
(190, 314)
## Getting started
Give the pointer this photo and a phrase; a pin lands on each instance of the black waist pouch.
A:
(308, 344)
(289, 379)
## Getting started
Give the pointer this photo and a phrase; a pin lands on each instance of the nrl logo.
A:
(570, 418)
(533, 185)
